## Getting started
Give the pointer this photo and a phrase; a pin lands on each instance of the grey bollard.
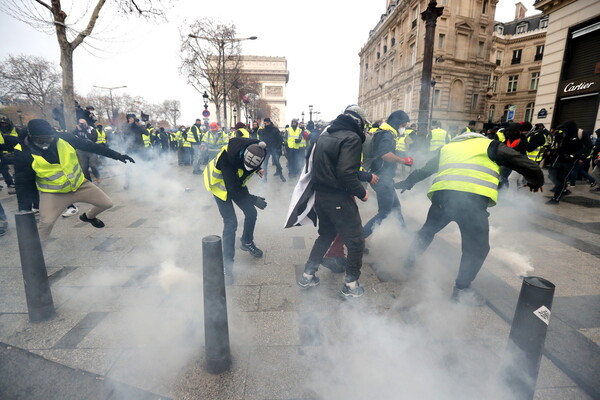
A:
(216, 328)
(35, 276)
(527, 336)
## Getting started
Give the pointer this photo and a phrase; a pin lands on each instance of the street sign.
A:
(206, 113)
(543, 113)
(511, 113)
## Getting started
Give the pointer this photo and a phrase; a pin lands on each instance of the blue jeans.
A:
(274, 154)
(246, 203)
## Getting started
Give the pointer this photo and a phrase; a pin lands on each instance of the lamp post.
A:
(433, 83)
(310, 112)
(234, 116)
(302, 116)
(221, 43)
(20, 114)
(112, 106)
(205, 98)
(175, 111)
(430, 16)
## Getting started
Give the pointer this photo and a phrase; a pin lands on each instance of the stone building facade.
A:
(569, 85)
(272, 75)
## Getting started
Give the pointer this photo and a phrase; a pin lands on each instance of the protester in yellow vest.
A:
(100, 134)
(241, 131)
(295, 148)
(438, 136)
(47, 161)
(225, 177)
(466, 184)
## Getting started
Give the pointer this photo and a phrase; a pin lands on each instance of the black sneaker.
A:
(468, 296)
(566, 192)
(308, 281)
(352, 290)
(282, 178)
(552, 201)
(252, 249)
(96, 223)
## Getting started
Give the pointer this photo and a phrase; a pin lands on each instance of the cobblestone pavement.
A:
(129, 304)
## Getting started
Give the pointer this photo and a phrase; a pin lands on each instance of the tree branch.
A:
(92, 22)
(44, 4)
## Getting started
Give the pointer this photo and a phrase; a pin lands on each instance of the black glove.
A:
(404, 185)
(124, 158)
(298, 140)
(260, 202)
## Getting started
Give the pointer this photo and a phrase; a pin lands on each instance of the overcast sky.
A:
(320, 39)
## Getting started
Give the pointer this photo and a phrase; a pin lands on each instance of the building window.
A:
(521, 28)
(474, 102)
(491, 113)
(436, 97)
(544, 23)
(378, 55)
(535, 80)
(500, 29)
(384, 48)
(415, 17)
(516, 57)
(480, 48)
(498, 57)
(366, 66)
(513, 82)
(484, 7)
(392, 69)
(529, 111)
(441, 40)
(494, 83)
(393, 41)
(539, 52)
(413, 55)
(505, 113)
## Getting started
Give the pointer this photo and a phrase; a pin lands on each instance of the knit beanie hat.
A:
(240, 125)
(254, 155)
(40, 127)
(397, 118)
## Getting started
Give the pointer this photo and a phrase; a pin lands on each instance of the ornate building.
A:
(569, 85)
(391, 61)
(272, 75)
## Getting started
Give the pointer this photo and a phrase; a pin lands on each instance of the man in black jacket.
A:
(570, 148)
(37, 160)
(335, 178)
(465, 186)
(272, 137)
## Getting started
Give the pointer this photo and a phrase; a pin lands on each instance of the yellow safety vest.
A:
(213, 177)
(438, 139)
(64, 177)
(191, 137)
(536, 154)
(294, 134)
(146, 138)
(466, 167)
(244, 132)
(101, 136)
(186, 140)
(501, 136)
(13, 132)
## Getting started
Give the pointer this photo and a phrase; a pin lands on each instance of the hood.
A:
(345, 123)
(569, 127)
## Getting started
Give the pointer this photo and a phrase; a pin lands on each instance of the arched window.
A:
(408, 100)
(457, 96)
(491, 113)
(529, 112)
(505, 113)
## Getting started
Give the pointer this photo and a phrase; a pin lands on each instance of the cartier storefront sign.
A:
(573, 87)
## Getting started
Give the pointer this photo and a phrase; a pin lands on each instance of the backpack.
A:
(368, 151)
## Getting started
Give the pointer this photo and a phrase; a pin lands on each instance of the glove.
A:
(409, 161)
(534, 188)
(124, 158)
(299, 140)
(404, 185)
(260, 202)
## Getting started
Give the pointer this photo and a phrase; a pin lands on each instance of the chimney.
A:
(520, 11)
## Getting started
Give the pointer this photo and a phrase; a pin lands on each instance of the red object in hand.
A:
(409, 161)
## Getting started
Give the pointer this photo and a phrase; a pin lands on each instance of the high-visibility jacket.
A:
(185, 139)
(292, 135)
(401, 143)
(438, 139)
(101, 136)
(191, 137)
(244, 132)
(213, 177)
(536, 154)
(65, 177)
(466, 167)
(13, 132)
(146, 138)
(500, 135)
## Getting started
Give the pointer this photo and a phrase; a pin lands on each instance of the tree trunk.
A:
(68, 92)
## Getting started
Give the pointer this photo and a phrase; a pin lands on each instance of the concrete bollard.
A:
(527, 336)
(216, 327)
(35, 276)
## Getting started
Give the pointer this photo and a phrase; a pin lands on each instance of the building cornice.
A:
(549, 6)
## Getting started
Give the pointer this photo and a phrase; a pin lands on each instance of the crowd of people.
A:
(331, 165)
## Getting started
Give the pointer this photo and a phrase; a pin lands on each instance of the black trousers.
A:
(472, 220)
(246, 204)
(559, 173)
(338, 214)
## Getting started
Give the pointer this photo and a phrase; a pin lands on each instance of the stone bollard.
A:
(216, 328)
(527, 336)
(35, 276)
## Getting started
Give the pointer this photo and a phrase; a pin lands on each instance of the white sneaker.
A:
(70, 211)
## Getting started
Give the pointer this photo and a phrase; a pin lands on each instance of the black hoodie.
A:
(337, 157)
(571, 147)
(230, 162)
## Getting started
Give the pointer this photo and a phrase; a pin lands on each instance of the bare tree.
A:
(30, 79)
(211, 60)
(44, 14)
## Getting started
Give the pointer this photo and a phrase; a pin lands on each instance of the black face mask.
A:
(41, 143)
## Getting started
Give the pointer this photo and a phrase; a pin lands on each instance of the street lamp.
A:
(433, 83)
(205, 98)
(222, 43)
(302, 116)
(112, 107)
(234, 116)
(20, 114)
(310, 108)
